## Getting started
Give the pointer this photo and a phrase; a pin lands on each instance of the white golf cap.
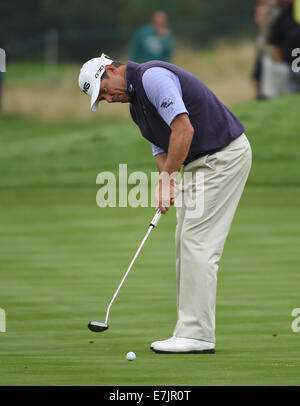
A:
(90, 77)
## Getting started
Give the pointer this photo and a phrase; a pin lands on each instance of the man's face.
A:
(113, 86)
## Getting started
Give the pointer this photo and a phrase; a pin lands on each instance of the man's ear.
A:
(110, 68)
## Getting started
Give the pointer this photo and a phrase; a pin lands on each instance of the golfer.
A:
(189, 128)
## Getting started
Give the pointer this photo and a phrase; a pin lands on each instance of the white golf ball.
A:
(131, 356)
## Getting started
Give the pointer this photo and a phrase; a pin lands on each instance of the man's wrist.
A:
(167, 177)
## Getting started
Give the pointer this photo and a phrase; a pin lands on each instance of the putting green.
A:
(62, 257)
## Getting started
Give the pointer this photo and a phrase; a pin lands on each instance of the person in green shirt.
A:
(153, 41)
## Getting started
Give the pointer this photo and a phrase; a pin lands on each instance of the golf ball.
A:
(131, 356)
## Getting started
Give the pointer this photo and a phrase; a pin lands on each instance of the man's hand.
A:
(166, 192)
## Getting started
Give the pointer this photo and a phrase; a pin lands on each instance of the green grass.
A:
(29, 72)
(62, 257)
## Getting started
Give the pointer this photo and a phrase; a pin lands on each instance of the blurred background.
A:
(46, 42)
(61, 256)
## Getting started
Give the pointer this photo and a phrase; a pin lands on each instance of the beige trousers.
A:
(275, 80)
(217, 182)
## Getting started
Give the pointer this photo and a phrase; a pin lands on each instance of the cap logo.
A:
(98, 73)
(86, 87)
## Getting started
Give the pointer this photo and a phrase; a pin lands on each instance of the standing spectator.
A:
(265, 68)
(153, 41)
(284, 37)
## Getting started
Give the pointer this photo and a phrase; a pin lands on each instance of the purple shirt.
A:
(163, 89)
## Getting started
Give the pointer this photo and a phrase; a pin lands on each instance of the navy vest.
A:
(215, 126)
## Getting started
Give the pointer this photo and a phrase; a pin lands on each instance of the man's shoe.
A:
(179, 345)
(160, 342)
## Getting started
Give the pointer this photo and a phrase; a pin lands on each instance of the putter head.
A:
(97, 326)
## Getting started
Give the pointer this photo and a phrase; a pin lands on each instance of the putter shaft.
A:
(153, 223)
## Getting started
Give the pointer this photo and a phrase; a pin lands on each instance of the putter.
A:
(98, 326)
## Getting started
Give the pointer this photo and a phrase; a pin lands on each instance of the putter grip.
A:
(155, 219)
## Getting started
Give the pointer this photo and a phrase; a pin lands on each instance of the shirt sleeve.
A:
(163, 89)
(156, 150)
